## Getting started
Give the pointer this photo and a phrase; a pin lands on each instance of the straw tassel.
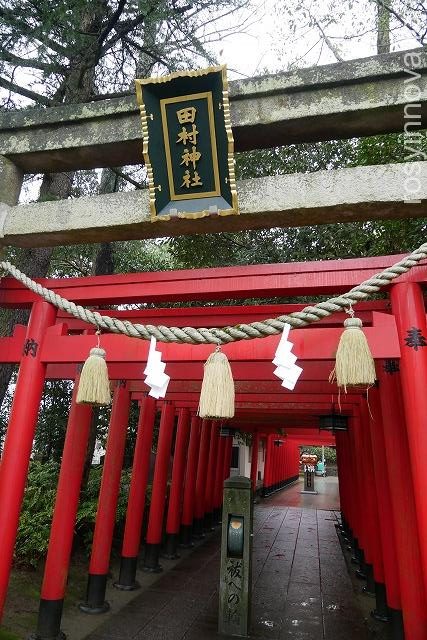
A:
(354, 364)
(217, 394)
(94, 385)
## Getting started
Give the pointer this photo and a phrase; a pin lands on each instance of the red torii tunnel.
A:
(381, 457)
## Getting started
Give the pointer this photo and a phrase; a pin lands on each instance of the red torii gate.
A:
(372, 501)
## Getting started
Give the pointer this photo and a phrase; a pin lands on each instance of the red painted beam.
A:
(285, 399)
(270, 387)
(317, 344)
(220, 316)
(308, 278)
(263, 405)
(193, 371)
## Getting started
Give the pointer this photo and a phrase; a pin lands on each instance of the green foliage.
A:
(77, 50)
(52, 420)
(36, 516)
(88, 505)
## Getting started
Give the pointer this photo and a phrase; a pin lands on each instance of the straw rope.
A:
(224, 335)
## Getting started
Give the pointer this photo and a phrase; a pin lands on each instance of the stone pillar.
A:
(11, 178)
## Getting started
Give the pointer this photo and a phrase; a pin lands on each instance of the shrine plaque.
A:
(188, 144)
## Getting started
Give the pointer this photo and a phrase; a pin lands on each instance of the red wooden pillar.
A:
(176, 490)
(136, 501)
(342, 479)
(20, 435)
(414, 607)
(360, 493)
(219, 481)
(64, 518)
(210, 480)
(158, 494)
(370, 514)
(282, 452)
(202, 464)
(275, 450)
(190, 482)
(408, 308)
(254, 460)
(388, 544)
(107, 503)
(268, 475)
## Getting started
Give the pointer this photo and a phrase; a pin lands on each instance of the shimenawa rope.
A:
(223, 335)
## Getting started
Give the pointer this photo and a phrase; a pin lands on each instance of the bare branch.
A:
(126, 177)
(328, 43)
(29, 62)
(27, 93)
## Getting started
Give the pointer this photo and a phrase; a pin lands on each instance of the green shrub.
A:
(36, 516)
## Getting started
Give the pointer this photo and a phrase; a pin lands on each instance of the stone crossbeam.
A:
(341, 195)
(337, 101)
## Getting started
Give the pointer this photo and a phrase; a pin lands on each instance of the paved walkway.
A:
(302, 589)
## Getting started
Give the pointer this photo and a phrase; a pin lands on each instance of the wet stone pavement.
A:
(301, 586)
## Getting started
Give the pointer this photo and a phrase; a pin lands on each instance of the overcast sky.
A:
(267, 44)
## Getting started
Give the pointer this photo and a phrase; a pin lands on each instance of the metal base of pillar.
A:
(186, 536)
(217, 515)
(151, 559)
(380, 617)
(170, 550)
(381, 611)
(360, 574)
(126, 581)
(208, 521)
(313, 493)
(95, 595)
(397, 630)
(49, 621)
(198, 528)
(370, 582)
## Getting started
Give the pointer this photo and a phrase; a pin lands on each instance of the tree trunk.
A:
(383, 26)
(77, 86)
(103, 265)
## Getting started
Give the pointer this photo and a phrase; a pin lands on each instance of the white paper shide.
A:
(156, 378)
(285, 360)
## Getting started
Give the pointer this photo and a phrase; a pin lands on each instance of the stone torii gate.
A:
(349, 99)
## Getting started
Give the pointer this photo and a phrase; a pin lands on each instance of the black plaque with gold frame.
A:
(188, 144)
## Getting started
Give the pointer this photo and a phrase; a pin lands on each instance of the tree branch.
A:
(142, 49)
(9, 16)
(120, 33)
(328, 43)
(29, 62)
(114, 18)
(125, 176)
(27, 93)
